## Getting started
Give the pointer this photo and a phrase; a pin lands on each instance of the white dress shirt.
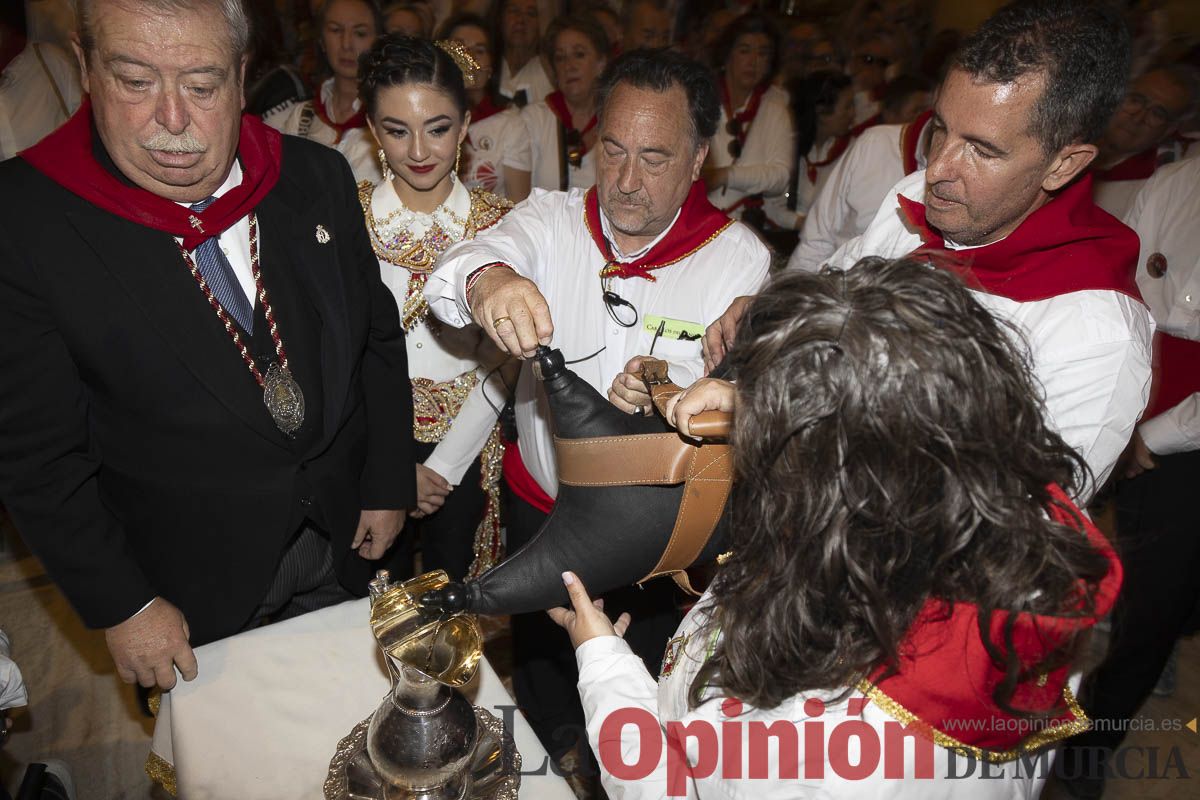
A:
(29, 108)
(450, 352)
(494, 143)
(532, 78)
(613, 681)
(546, 239)
(542, 159)
(1090, 350)
(805, 190)
(865, 106)
(1116, 197)
(1166, 216)
(358, 146)
(234, 241)
(765, 165)
(848, 198)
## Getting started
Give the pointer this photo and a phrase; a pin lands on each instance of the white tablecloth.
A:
(266, 712)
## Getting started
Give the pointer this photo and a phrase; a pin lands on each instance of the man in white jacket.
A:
(1003, 201)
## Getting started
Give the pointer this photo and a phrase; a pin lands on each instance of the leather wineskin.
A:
(610, 536)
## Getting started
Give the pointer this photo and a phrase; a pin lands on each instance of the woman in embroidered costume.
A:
(751, 156)
(823, 107)
(416, 106)
(334, 117)
(903, 551)
(496, 138)
(562, 128)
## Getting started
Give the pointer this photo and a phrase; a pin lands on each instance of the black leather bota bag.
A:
(611, 536)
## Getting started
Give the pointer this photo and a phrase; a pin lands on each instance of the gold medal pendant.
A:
(283, 399)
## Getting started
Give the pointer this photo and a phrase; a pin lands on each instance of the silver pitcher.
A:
(423, 735)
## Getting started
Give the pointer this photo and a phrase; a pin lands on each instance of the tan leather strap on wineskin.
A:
(706, 488)
(652, 459)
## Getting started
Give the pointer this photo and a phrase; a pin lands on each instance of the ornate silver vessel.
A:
(425, 741)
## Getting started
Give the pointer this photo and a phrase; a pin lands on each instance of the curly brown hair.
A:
(889, 447)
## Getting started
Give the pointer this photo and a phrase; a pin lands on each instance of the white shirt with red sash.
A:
(1115, 188)
(542, 157)
(495, 139)
(848, 197)
(812, 172)
(944, 681)
(765, 164)
(351, 138)
(1090, 349)
(547, 239)
(1165, 216)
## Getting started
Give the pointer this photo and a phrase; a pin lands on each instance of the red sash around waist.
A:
(1176, 373)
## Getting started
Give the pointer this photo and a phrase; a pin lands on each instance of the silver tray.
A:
(495, 767)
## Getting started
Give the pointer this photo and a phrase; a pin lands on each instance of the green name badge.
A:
(666, 328)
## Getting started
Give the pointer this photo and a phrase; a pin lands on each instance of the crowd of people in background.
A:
(807, 97)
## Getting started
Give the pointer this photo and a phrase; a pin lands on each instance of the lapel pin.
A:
(322, 235)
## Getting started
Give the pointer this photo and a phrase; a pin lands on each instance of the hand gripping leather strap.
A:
(706, 425)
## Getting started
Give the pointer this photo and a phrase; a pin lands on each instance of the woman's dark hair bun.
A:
(396, 60)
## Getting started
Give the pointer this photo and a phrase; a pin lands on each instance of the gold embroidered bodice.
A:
(419, 255)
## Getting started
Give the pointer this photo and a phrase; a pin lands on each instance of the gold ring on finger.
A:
(496, 322)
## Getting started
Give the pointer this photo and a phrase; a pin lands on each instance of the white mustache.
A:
(175, 143)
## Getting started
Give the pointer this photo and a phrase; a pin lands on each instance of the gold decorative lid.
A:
(443, 647)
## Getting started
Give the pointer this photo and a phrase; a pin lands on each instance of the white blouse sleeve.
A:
(615, 687)
(772, 157)
(462, 444)
(1176, 430)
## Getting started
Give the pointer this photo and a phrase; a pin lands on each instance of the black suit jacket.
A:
(136, 455)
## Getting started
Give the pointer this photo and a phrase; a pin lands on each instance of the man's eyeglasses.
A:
(1137, 103)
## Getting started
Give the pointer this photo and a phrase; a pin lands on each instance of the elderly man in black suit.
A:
(205, 411)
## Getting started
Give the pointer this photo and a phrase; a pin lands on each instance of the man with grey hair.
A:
(205, 412)
(1143, 135)
(635, 266)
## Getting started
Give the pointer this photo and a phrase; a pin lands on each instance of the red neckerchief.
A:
(558, 104)
(910, 139)
(945, 677)
(356, 120)
(65, 157)
(699, 223)
(839, 146)
(484, 109)
(745, 117)
(1135, 168)
(1068, 245)
(869, 122)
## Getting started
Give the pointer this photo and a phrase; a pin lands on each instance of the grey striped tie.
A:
(218, 274)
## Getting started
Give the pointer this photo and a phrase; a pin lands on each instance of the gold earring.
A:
(457, 157)
(388, 175)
